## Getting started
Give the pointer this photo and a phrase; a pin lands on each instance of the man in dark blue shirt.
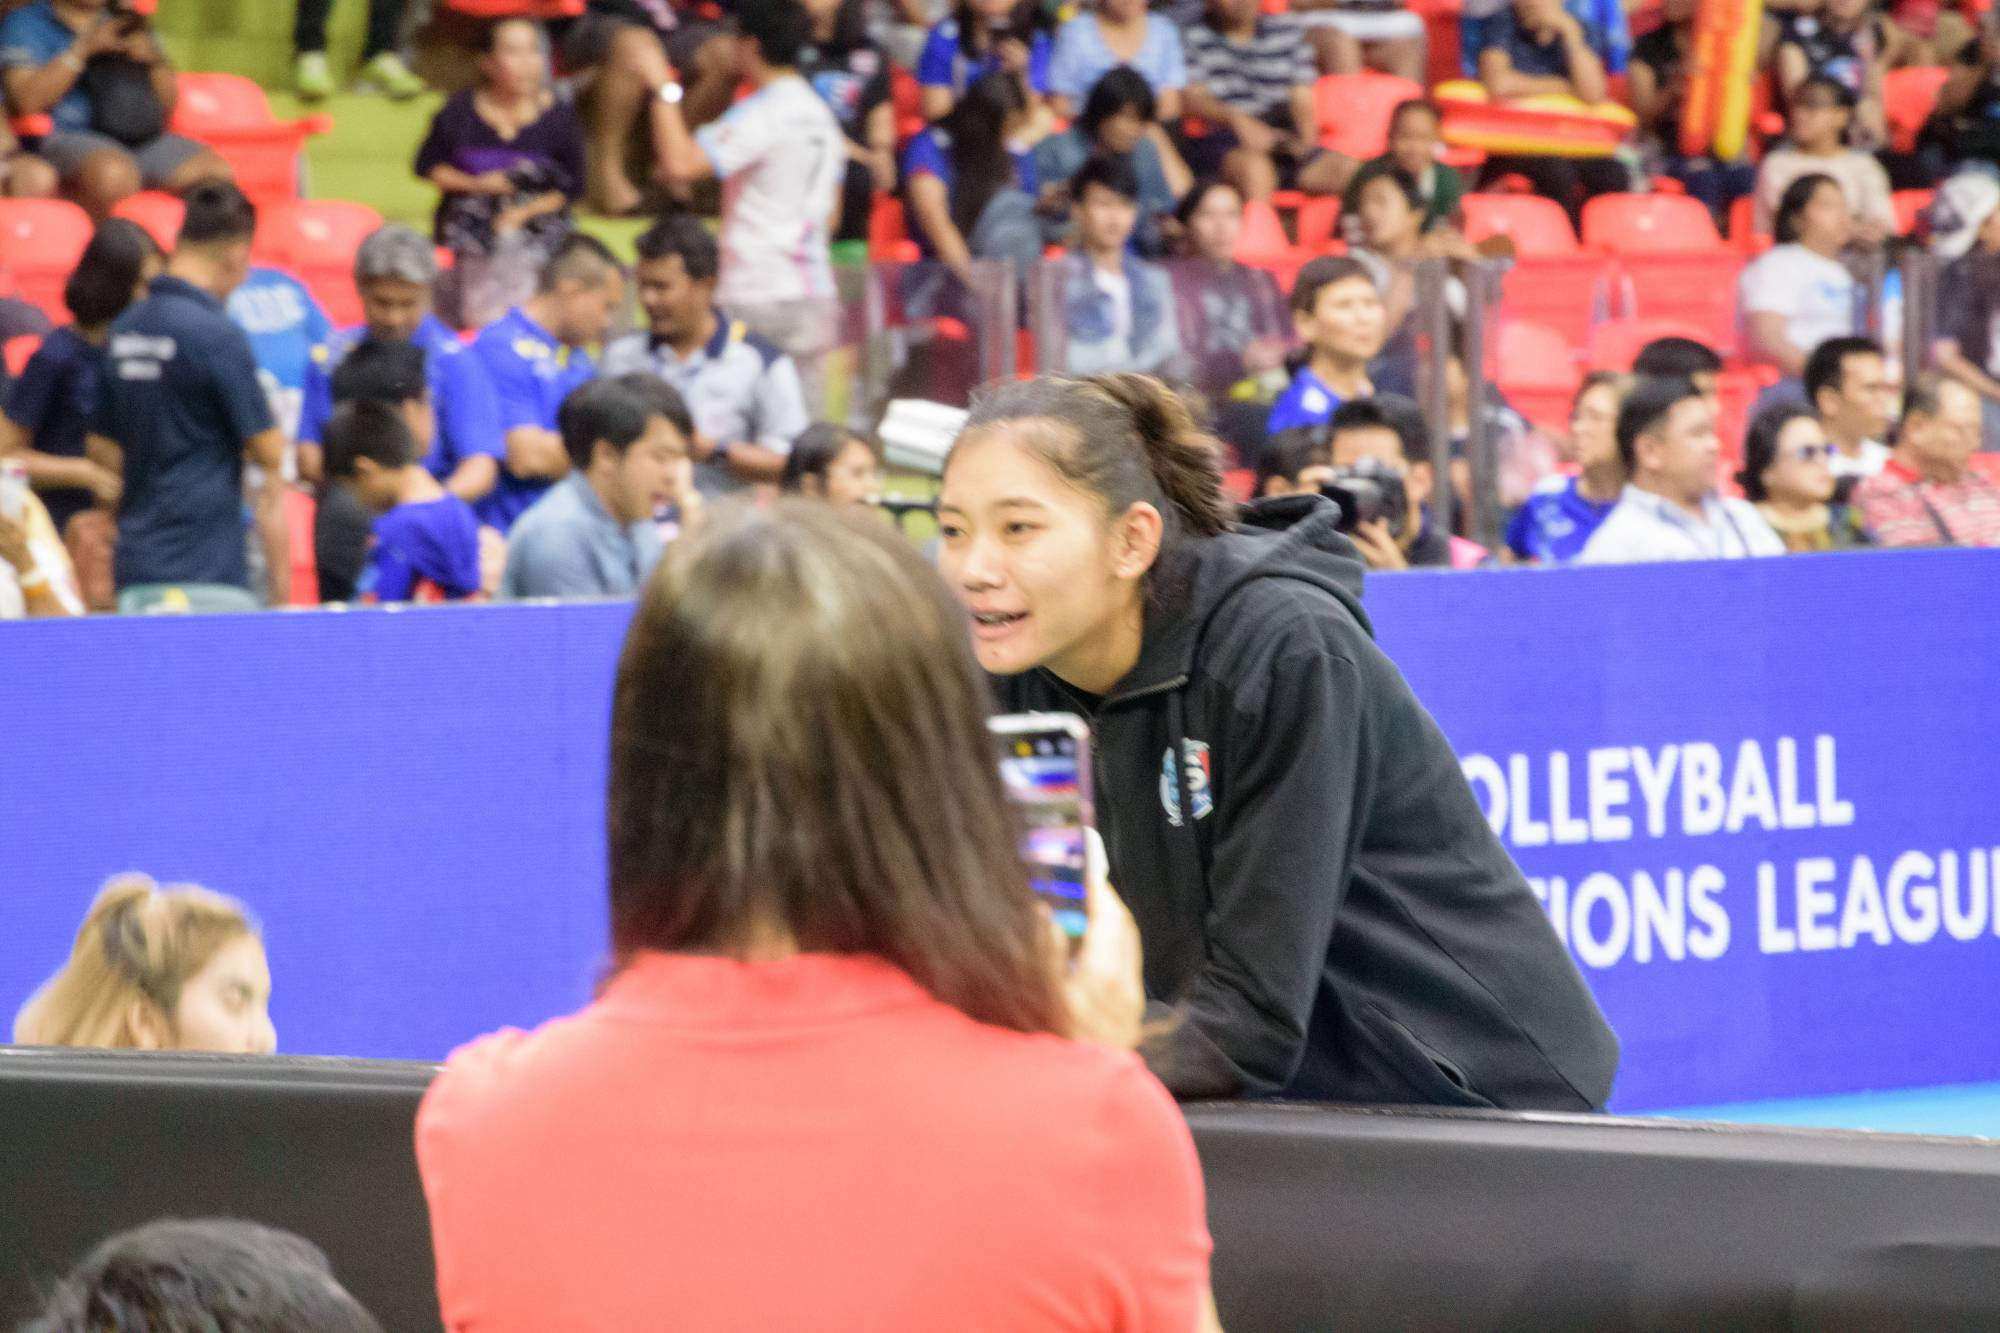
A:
(181, 409)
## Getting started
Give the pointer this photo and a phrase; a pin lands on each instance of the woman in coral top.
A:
(840, 1077)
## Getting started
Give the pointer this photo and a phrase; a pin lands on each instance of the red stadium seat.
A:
(40, 242)
(1737, 392)
(300, 511)
(1353, 110)
(1263, 235)
(14, 353)
(230, 114)
(517, 9)
(1743, 233)
(888, 235)
(1615, 344)
(1694, 288)
(1567, 293)
(316, 239)
(1908, 97)
(1537, 371)
(906, 101)
(1319, 222)
(1910, 205)
(1636, 224)
(1537, 226)
(155, 210)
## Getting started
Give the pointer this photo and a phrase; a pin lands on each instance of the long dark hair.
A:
(799, 741)
(1125, 438)
(977, 130)
(1792, 203)
(815, 451)
(972, 28)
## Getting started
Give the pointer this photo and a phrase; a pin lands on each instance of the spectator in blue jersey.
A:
(1114, 33)
(285, 325)
(46, 412)
(426, 540)
(1338, 314)
(743, 394)
(970, 192)
(1117, 121)
(390, 373)
(593, 534)
(1118, 310)
(984, 37)
(1603, 22)
(394, 271)
(1536, 48)
(534, 355)
(1560, 515)
(182, 410)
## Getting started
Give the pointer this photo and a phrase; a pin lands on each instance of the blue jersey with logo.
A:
(532, 372)
(1306, 401)
(1555, 523)
(468, 417)
(284, 324)
(427, 551)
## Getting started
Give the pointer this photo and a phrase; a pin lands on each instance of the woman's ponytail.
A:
(1125, 438)
(1185, 460)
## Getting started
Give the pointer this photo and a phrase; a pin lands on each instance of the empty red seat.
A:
(14, 353)
(231, 115)
(1743, 233)
(1616, 343)
(316, 239)
(1353, 110)
(1537, 226)
(40, 242)
(1319, 220)
(1693, 288)
(1910, 205)
(1908, 97)
(888, 233)
(1630, 224)
(158, 212)
(1536, 369)
(1263, 235)
(1567, 293)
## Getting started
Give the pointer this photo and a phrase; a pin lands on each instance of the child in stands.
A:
(426, 539)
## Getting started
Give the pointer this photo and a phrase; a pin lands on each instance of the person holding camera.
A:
(1321, 899)
(99, 72)
(1382, 470)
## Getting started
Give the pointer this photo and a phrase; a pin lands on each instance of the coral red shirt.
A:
(808, 1144)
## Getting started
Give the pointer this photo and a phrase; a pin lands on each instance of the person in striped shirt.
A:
(1250, 77)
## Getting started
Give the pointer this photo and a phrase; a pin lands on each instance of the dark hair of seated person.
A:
(1122, 88)
(367, 428)
(814, 451)
(1112, 173)
(1676, 356)
(610, 410)
(781, 28)
(217, 213)
(799, 749)
(1645, 408)
(682, 236)
(381, 371)
(208, 1275)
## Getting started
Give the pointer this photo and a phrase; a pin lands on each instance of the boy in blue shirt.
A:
(426, 539)
(1338, 312)
(535, 354)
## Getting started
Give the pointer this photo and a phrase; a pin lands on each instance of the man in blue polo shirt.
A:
(181, 409)
(744, 395)
(394, 271)
(1338, 312)
(534, 355)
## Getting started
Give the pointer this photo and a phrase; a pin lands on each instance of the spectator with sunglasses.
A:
(1788, 474)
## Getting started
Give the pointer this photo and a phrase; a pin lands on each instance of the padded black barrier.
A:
(1324, 1217)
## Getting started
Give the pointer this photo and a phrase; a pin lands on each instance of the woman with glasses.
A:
(1788, 474)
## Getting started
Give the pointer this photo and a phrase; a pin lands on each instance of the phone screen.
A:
(1043, 761)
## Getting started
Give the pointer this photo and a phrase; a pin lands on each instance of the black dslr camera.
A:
(1369, 491)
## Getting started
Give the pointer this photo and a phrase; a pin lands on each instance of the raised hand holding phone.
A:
(1103, 981)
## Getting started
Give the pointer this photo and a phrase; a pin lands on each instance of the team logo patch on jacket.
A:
(1201, 794)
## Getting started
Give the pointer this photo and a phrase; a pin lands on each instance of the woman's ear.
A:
(1138, 541)
(147, 1025)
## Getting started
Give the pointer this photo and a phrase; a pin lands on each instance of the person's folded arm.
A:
(780, 417)
(474, 478)
(1769, 340)
(931, 207)
(1291, 787)
(1586, 69)
(1502, 80)
(534, 451)
(682, 160)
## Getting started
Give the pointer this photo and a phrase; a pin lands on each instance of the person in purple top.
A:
(508, 153)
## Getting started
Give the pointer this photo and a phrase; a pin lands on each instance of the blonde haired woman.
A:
(155, 969)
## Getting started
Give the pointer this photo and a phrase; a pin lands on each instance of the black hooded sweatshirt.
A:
(1317, 891)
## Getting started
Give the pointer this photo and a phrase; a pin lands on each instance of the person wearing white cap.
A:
(1964, 224)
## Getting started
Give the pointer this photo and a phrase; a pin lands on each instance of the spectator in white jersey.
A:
(1670, 509)
(742, 392)
(781, 157)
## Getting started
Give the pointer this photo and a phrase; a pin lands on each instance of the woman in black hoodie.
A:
(1320, 897)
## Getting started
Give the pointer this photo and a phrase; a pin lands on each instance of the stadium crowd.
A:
(1177, 168)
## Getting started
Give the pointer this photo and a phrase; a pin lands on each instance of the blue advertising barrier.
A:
(1761, 800)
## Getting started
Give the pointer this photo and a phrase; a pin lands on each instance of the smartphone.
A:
(1045, 766)
(13, 490)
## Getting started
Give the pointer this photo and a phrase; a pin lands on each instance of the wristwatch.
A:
(671, 93)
